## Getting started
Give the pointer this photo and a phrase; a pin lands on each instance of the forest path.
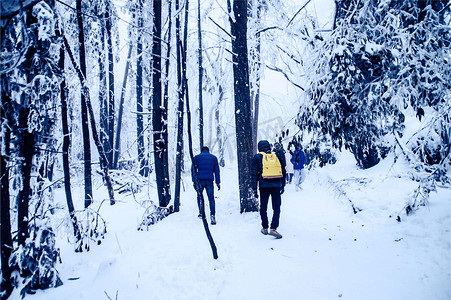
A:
(327, 251)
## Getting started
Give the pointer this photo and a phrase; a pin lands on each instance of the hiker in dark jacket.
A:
(298, 161)
(268, 187)
(208, 171)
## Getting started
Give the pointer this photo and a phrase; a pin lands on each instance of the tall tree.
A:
(5, 224)
(254, 9)
(243, 114)
(196, 176)
(142, 162)
(84, 110)
(218, 75)
(121, 108)
(103, 88)
(201, 75)
(25, 136)
(182, 94)
(111, 92)
(159, 125)
(102, 156)
(66, 145)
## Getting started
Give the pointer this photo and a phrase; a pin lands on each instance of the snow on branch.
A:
(286, 76)
(231, 36)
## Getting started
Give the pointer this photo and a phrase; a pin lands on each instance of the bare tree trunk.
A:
(121, 109)
(103, 100)
(158, 123)
(218, 75)
(255, 12)
(26, 143)
(201, 72)
(182, 93)
(111, 92)
(243, 115)
(181, 96)
(84, 111)
(219, 134)
(142, 161)
(5, 224)
(102, 156)
(197, 183)
(66, 144)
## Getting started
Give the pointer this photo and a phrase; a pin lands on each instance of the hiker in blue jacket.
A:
(208, 171)
(298, 161)
(268, 187)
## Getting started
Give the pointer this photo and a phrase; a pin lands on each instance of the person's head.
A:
(264, 146)
(204, 149)
(278, 146)
(299, 146)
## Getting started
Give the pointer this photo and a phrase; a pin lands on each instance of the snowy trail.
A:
(326, 252)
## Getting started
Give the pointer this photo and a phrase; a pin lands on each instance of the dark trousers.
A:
(274, 192)
(208, 186)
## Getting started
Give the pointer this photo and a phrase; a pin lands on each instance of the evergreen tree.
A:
(367, 69)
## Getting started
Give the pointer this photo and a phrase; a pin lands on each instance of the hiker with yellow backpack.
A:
(268, 175)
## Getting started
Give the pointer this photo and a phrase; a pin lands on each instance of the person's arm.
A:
(192, 172)
(283, 164)
(254, 173)
(302, 158)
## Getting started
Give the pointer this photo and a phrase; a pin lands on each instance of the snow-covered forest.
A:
(104, 103)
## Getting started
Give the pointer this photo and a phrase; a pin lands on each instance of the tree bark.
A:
(5, 224)
(142, 162)
(201, 72)
(66, 145)
(243, 114)
(256, 68)
(26, 142)
(84, 111)
(182, 93)
(219, 133)
(111, 92)
(218, 75)
(121, 109)
(158, 123)
(103, 99)
(180, 108)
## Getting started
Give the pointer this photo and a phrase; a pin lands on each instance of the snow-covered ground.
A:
(327, 251)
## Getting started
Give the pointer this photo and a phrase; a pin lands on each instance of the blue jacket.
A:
(298, 159)
(207, 167)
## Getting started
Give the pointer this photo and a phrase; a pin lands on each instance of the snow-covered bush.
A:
(36, 261)
(91, 229)
(383, 61)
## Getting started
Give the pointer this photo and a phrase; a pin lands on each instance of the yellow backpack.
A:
(272, 168)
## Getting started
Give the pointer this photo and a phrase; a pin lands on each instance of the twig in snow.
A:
(341, 192)
(119, 245)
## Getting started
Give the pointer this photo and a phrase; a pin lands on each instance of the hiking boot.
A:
(213, 220)
(275, 234)
(264, 231)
